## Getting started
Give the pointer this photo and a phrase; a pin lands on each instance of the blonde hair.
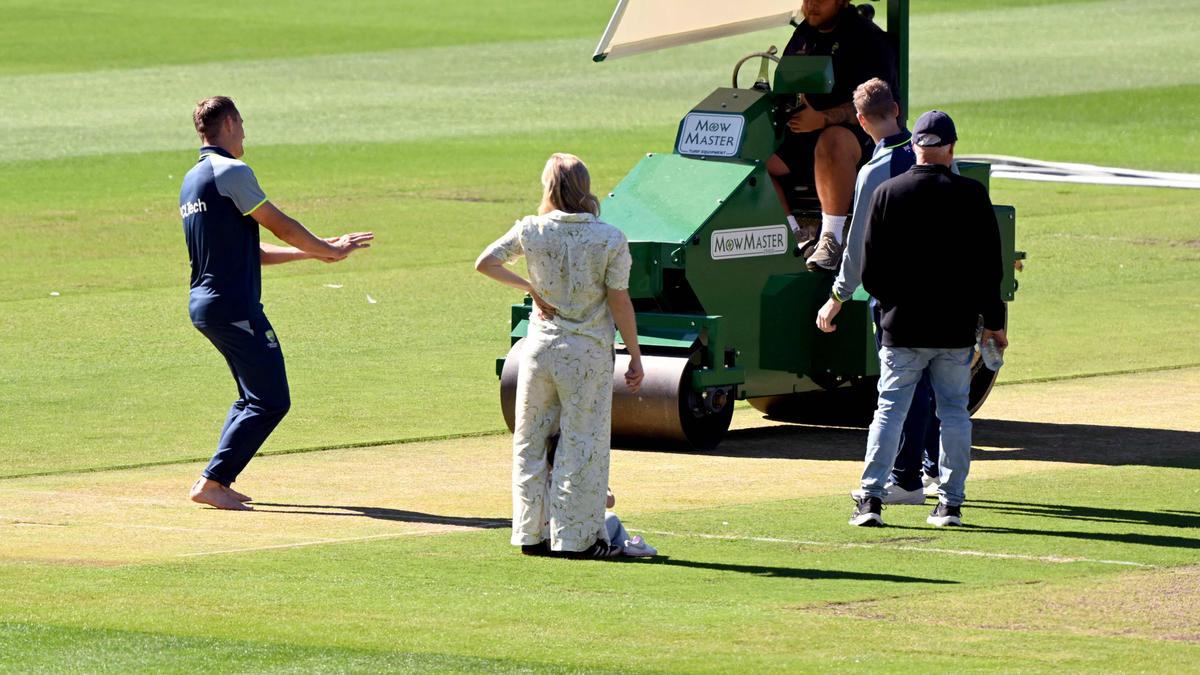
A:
(567, 186)
(873, 99)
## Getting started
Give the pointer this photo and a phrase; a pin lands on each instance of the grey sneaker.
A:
(944, 514)
(894, 494)
(827, 256)
(867, 512)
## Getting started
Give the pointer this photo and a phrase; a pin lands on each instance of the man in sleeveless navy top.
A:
(222, 205)
(824, 142)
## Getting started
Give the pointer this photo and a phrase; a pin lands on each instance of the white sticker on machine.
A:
(747, 242)
(711, 135)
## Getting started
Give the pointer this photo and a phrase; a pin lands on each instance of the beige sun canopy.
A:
(646, 25)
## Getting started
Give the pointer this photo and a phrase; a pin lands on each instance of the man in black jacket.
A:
(929, 314)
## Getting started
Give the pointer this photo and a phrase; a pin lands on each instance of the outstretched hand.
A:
(347, 244)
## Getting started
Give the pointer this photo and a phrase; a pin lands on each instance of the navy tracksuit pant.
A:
(256, 361)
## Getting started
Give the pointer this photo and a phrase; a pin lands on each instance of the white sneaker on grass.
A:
(638, 548)
(894, 494)
(931, 484)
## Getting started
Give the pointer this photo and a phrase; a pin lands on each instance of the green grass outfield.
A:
(429, 124)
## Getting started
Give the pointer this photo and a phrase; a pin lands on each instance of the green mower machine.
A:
(725, 307)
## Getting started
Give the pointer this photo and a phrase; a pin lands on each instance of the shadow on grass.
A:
(1135, 538)
(1077, 443)
(397, 515)
(784, 572)
(1182, 519)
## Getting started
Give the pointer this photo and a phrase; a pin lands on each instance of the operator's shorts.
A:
(797, 152)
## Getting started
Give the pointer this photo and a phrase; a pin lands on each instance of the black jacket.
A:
(932, 259)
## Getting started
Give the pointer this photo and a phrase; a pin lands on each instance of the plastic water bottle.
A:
(992, 357)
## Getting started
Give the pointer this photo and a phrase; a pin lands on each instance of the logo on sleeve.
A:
(191, 208)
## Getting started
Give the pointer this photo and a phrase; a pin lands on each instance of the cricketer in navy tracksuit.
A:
(893, 156)
(217, 197)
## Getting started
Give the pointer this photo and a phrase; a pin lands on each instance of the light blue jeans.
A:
(614, 530)
(900, 370)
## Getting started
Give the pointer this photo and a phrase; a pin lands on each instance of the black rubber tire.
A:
(854, 404)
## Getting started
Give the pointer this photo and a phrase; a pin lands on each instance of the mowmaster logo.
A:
(748, 242)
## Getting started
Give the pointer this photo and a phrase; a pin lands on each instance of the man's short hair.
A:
(874, 99)
(210, 114)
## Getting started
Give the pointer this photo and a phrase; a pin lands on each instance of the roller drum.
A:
(664, 411)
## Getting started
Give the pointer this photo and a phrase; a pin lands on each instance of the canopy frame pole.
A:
(897, 27)
(610, 30)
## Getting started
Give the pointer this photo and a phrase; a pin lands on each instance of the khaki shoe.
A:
(827, 256)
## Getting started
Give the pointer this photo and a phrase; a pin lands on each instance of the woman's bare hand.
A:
(634, 375)
(545, 309)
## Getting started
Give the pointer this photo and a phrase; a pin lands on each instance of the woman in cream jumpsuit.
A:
(579, 280)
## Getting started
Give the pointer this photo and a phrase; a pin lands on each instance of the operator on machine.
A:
(824, 143)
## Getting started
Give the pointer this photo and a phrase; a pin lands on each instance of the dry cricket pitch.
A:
(143, 515)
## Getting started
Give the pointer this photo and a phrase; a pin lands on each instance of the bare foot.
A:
(238, 496)
(214, 494)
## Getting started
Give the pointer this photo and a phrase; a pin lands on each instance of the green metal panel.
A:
(797, 74)
(784, 335)
(668, 198)
(979, 171)
(790, 340)
(650, 258)
(1006, 217)
(849, 351)
(520, 320)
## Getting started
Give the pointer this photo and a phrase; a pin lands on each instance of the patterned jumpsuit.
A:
(565, 380)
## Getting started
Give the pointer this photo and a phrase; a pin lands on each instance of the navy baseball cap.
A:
(934, 128)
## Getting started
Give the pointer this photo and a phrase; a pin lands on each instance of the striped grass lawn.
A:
(429, 123)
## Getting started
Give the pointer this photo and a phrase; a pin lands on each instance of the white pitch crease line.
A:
(318, 542)
(920, 549)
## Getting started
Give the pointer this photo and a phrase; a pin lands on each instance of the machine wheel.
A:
(982, 377)
(849, 405)
(665, 412)
(853, 405)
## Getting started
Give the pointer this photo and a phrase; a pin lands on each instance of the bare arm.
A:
(492, 267)
(305, 244)
(841, 114)
(807, 119)
(270, 254)
(622, 310)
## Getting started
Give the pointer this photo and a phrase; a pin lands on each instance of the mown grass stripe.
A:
(318, 542)
(414, 93)
(271, 453)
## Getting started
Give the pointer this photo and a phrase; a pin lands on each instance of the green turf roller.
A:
(725, 307)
